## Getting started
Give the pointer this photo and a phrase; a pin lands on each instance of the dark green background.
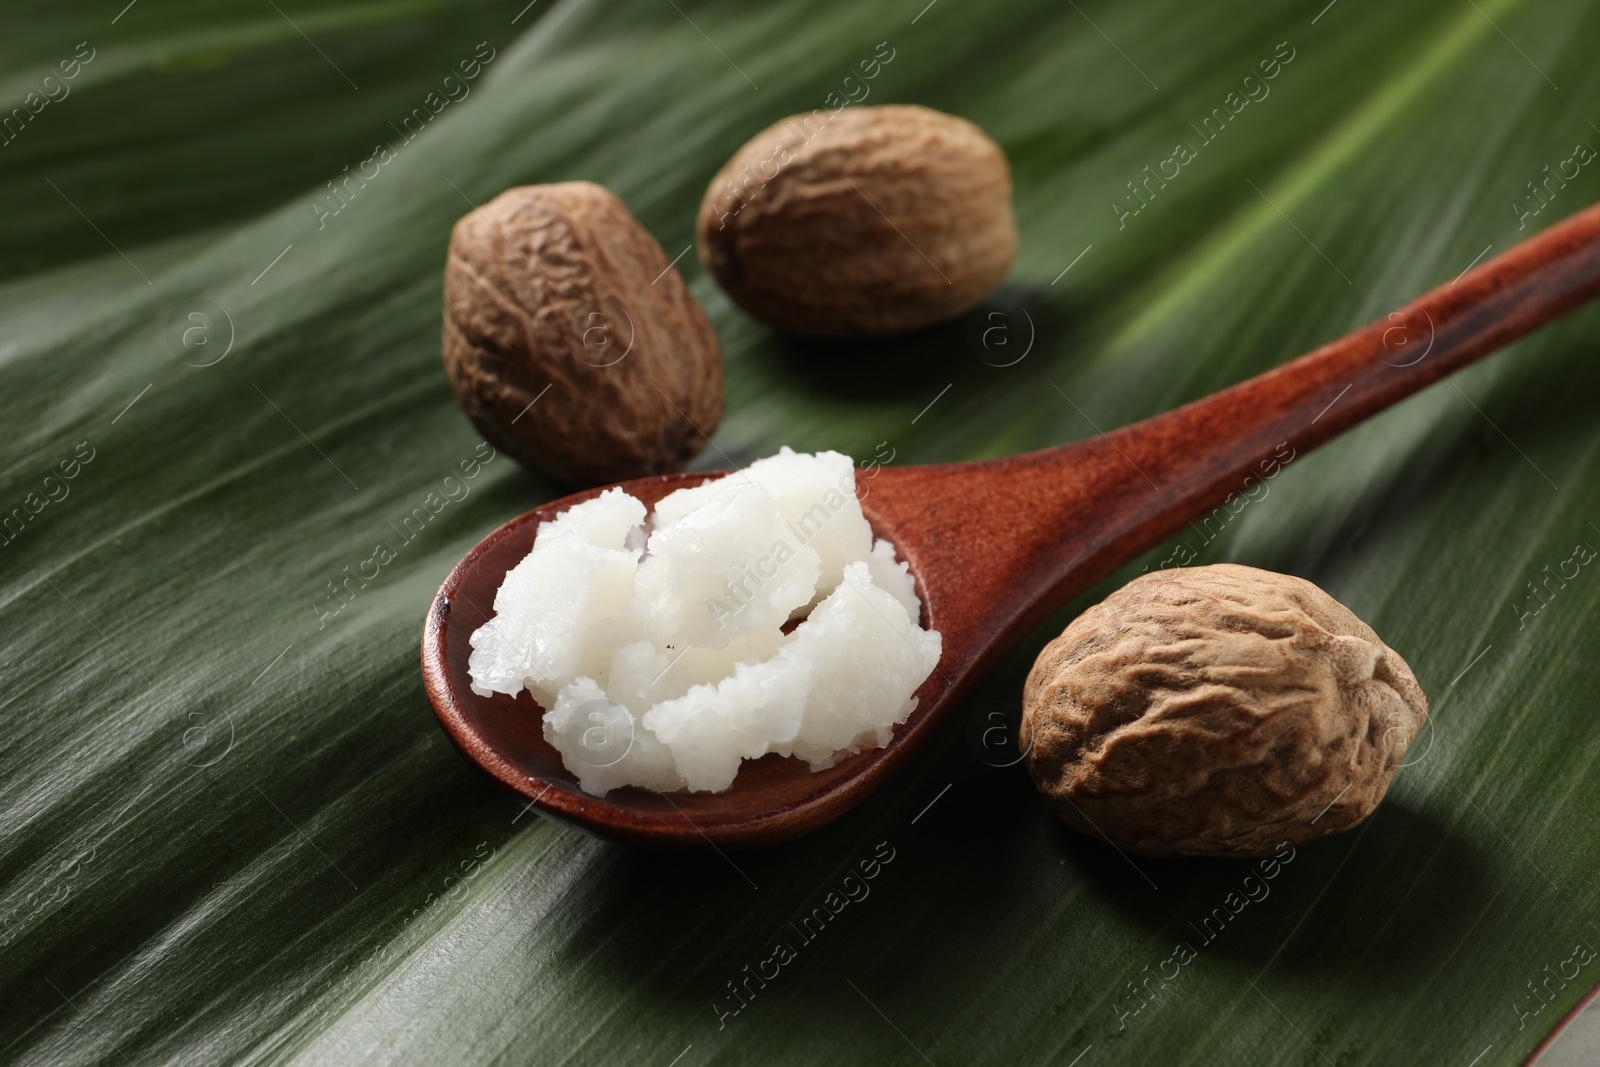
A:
(231, 834)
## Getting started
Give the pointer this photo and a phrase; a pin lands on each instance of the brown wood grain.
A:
(998, 545)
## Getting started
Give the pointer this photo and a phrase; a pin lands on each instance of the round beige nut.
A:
(555, 293)
(869, 221)
(1218, 710)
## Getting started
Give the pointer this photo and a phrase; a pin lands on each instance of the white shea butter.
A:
(656, 643)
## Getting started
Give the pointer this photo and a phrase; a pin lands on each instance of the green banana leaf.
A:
(233, 831)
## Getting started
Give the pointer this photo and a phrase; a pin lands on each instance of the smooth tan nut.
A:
(869, 221)
(1217, 710)
(559, 287)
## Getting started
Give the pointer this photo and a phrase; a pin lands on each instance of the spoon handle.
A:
(1210, 446)
(1049, 524)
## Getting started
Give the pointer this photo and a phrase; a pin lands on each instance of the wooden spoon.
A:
(998, 545)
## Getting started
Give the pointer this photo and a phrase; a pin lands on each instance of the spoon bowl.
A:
(996, 546)
(504, 735)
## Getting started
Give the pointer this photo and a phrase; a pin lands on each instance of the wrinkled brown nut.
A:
(868, 221)
(1217, 710)
(559, 287)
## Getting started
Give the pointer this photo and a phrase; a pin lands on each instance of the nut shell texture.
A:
(559, 286)
(1217, 710)
(869, 221)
